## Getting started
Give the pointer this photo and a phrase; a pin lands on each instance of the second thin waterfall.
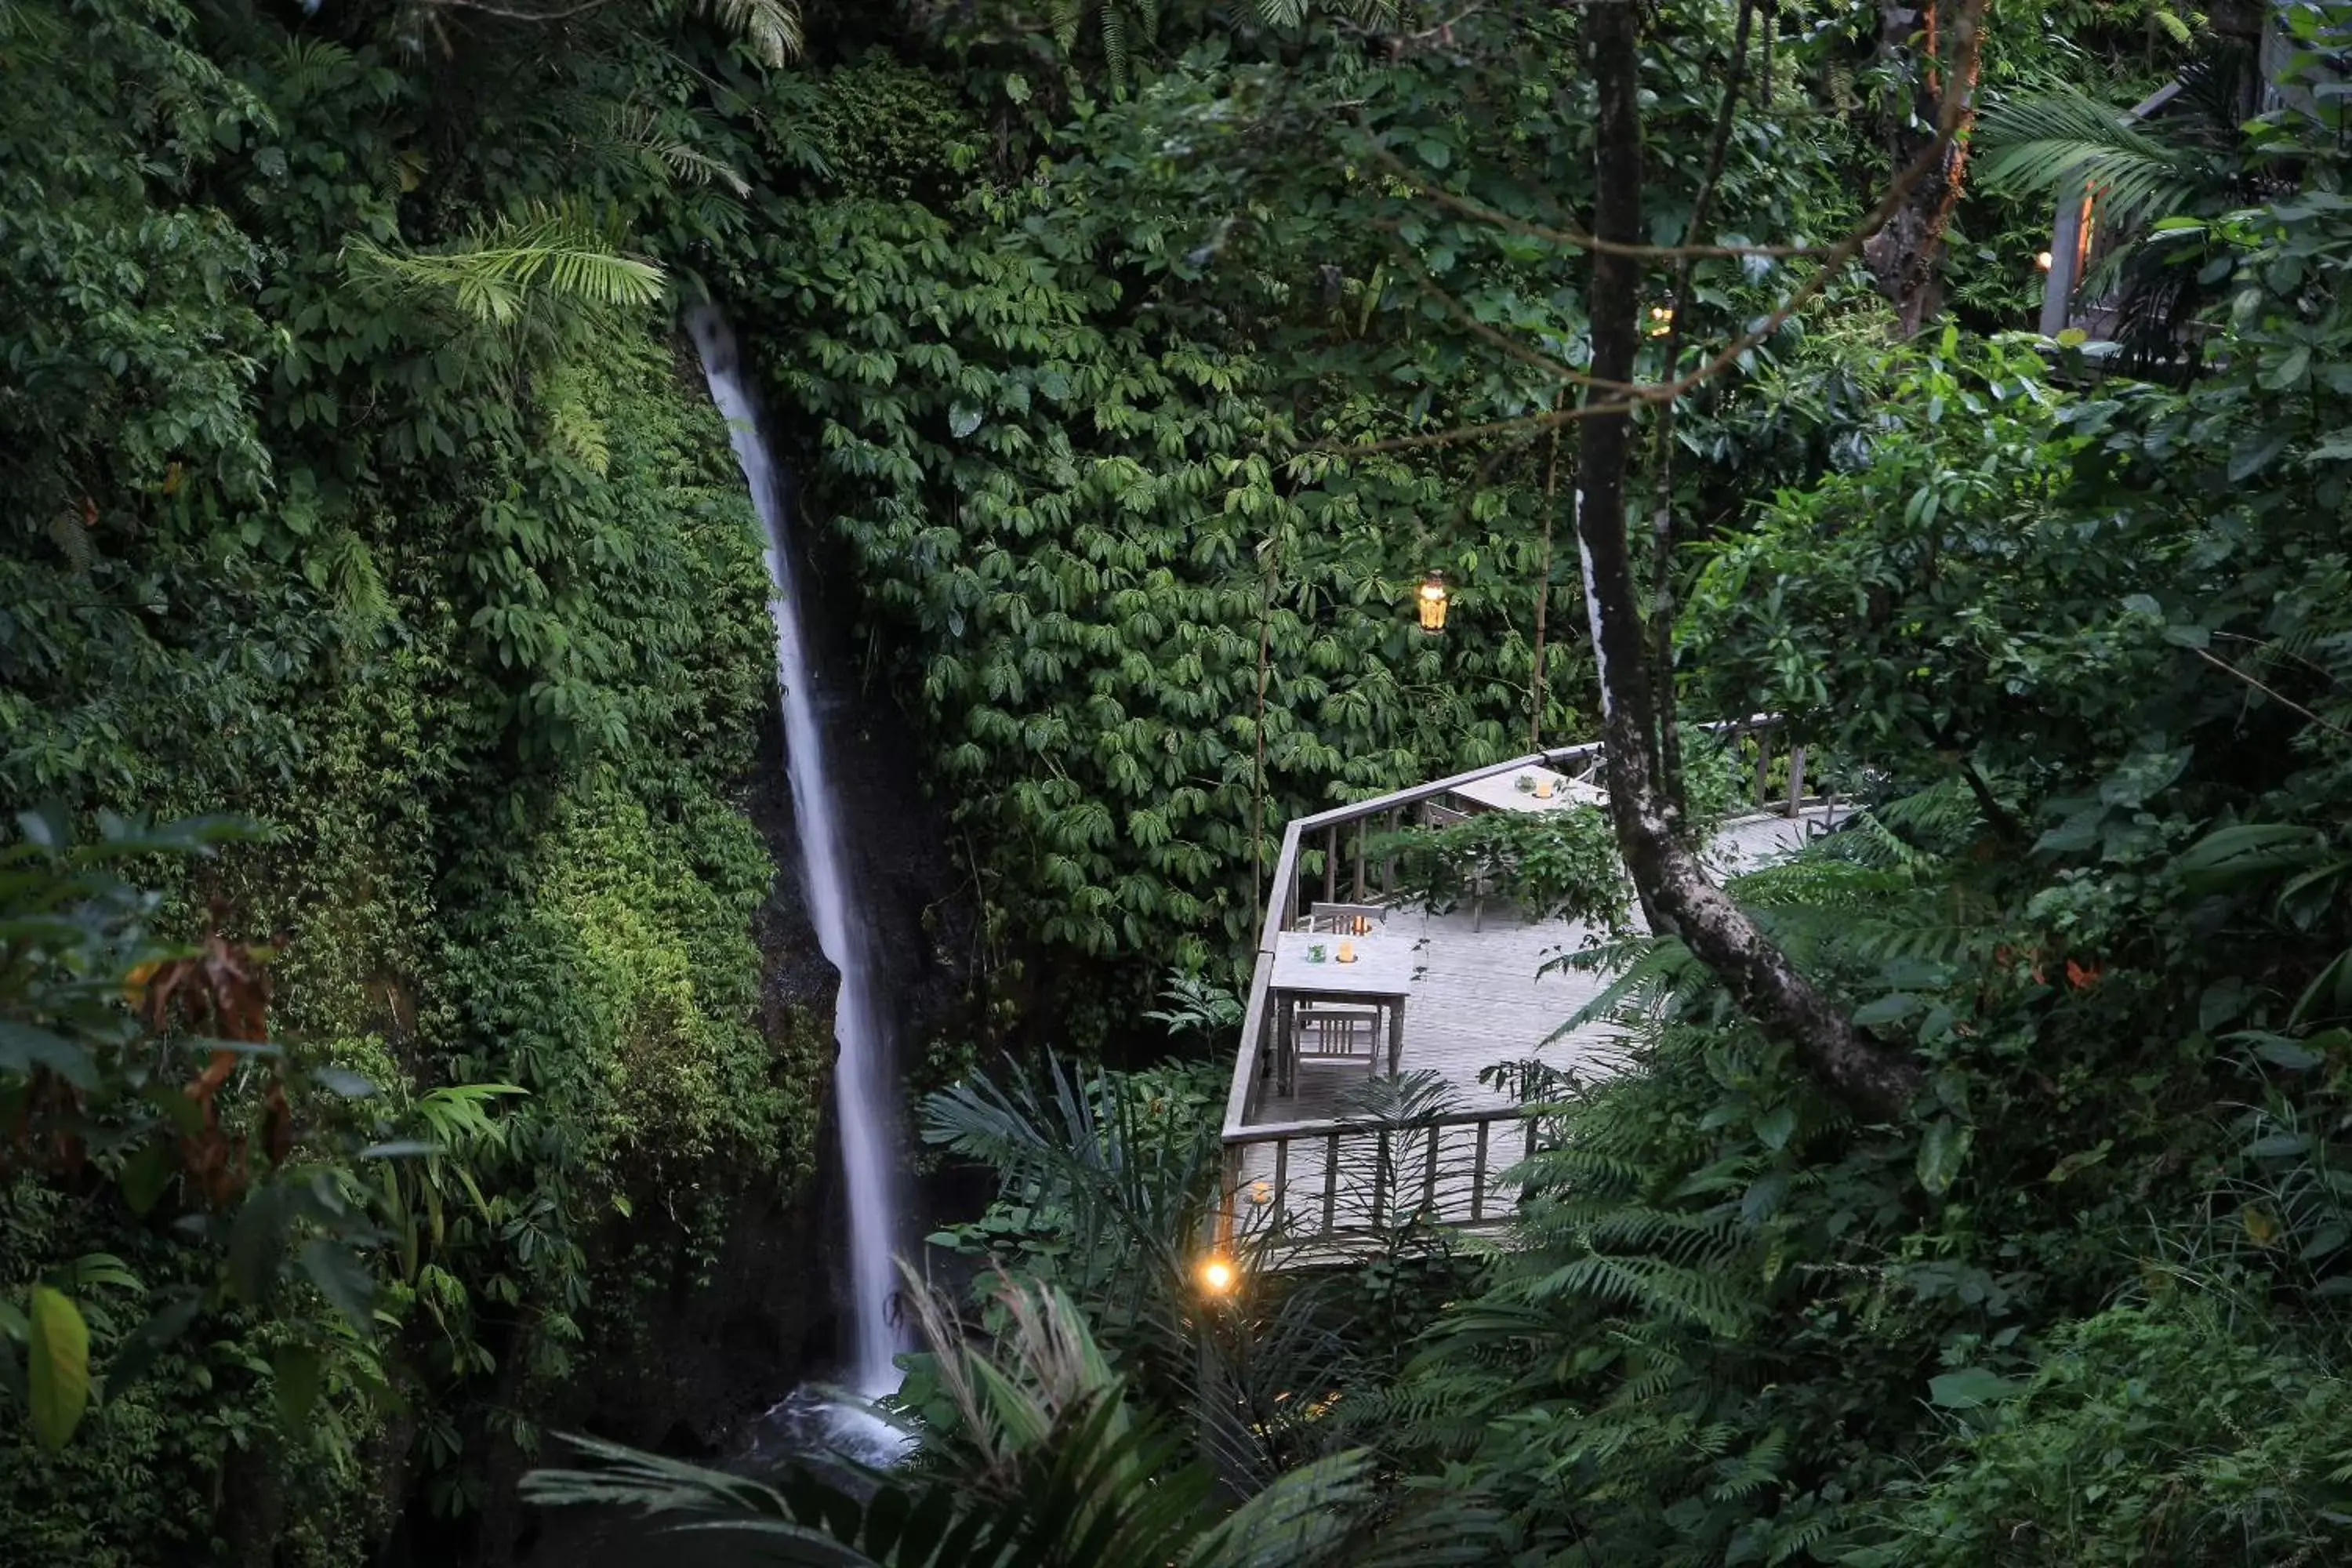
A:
(864, 1077)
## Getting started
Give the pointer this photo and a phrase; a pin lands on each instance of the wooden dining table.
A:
(1501, 792)
(1382, 975)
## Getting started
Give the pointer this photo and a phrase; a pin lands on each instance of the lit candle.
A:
(1543, 789)
(1261, 1192)
(1347, 951)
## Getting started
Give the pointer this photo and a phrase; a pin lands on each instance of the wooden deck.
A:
(1341, 1158)
(1482, 996)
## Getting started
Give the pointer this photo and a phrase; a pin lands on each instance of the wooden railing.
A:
(1343, 1178)
(1324, 854)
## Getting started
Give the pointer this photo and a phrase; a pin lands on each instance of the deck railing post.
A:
(1330, 1181)
(1796, 779)
(1380, 1177)
(1428, 1173)
(1281, 1181)
(1267, 1065)
(1478, 1174)
(1529, 1154)
(1387, 862)
(1229, 1178)
(1763, 769)
(1331, 864)
(1360, 859)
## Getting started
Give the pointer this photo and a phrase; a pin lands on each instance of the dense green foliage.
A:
(1042, 397)
(357, 488)
(462, 607)
(2085, 639)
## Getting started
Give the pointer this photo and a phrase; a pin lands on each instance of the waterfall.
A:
(863, 1076)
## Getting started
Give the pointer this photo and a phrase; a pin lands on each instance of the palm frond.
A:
(1301, 1518)
(771, 27)
(2066, 141)
(1135, 1201)
(1011, 1397)
(1053, 1465)
(624, 1478)
(655, 142)
(565, 253)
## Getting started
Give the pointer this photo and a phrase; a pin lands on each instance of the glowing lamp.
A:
(1217, 1277)
(2042, 261)
(1432, 602)
(1261, 1192)
(1347, 951)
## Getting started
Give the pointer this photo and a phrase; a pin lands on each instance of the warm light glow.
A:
(2042, 261)
(1216, 1277)
(1261, 1192)
(1432, 602)
(1347, 951)
(1363, 925)
(1543, 789)
(1662, 320)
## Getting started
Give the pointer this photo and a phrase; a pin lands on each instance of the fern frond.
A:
(1702, 1298)
(1660, 974)
(349, 574)
(572, 421)
(1737, 1481)
(1291, 13)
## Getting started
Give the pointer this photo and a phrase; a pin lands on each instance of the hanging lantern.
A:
(1432, 602)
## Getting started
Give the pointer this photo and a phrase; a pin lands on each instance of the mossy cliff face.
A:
(524, 828)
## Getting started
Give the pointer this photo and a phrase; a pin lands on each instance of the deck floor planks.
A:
(1481, 997)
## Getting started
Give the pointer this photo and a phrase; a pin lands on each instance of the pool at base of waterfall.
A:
(814, 1422)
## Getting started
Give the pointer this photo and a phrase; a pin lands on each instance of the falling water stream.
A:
(863, 1078)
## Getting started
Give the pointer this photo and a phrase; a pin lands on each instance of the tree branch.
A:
(1998, 814)
(1574, 239)
(2272, 693)
(1965, 32)
(1502, 341)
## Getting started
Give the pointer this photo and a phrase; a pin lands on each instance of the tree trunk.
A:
(1905, 256)
(1674, 892)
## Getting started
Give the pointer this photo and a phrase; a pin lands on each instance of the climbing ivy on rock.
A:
(464, 616)
(1080, 418)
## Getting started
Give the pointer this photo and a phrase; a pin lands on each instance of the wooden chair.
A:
(1344, 919)
(1436, 815)
(1339, 1032)
(1585, 769)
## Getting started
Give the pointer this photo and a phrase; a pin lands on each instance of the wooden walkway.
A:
(1315, 1163)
